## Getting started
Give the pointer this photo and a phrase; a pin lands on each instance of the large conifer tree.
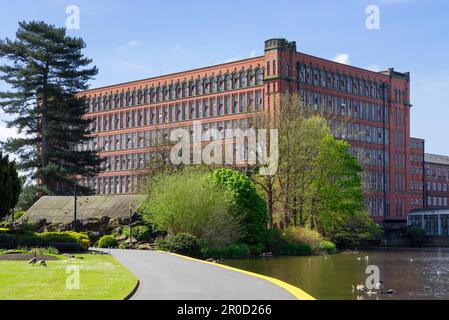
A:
(10, 185)
(46, 69)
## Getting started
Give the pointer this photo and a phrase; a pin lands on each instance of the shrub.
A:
(139, 232)
(295, 249)
(274, 241)
(187, 202)
(4, 230)
(44, 251)
(18, 214)
(123, 245)
(301, 235)
(326, 247)
(107, 242)
(182, 243)
(46, 239)
(231, 252)
(415, 236)
(249, 207)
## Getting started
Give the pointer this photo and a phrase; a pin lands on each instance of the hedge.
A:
(46, 239)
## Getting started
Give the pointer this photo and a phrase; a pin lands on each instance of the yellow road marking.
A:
(295, 291)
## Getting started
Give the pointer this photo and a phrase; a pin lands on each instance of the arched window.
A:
(235, 81)
(178, 91)
(90, 104)
(121, 102)
(199, 88)
(185, 90)
(140, 97)
(171, 92)
(192, 88)
(111, 101)
(165, 93)
(259, 77)
(127, 99)
(133, 98)
(158, 94)
(349, 85)
(227, 82)
(243, 79)
(152, 95)
(146, 96)
(213, 85)
(252, 80)
(206, 86)
(221, 83)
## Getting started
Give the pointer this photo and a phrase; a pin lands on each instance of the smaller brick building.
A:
(436, 181)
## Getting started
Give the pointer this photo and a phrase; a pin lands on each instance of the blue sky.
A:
(135, 39)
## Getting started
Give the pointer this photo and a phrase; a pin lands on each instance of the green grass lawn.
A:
(101, 278)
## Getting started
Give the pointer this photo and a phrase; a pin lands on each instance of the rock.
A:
(145, 246)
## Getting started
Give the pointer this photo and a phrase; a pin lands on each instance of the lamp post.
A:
(131, 213)
(74, 208)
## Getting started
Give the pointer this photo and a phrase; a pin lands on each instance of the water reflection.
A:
(414, 274)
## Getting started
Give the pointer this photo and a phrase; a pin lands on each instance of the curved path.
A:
(165, 276)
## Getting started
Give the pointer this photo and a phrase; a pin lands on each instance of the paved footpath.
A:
(164, 276)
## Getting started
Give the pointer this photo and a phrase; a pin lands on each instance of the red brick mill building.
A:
(130, 116)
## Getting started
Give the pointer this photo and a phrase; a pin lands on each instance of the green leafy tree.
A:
(10, 185)
(188, 202)
(249, 206)
(45, 71)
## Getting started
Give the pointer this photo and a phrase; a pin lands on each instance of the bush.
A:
(231, 252)
(415, 236)
(107, 242)
(44, 251)
(4, 230)
(18, 214)
(188, 202)
(139, 232)
(301, 235)
(295, 249)
(182, 243)
(326, 247)
(46, 239)
(274, 241)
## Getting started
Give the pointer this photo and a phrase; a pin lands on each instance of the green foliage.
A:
(182, 243)
(45, 69)
(18, 214)
(107, 242)
(187, 202)
(415, 236)
(354, 228)
(10, 185)
(234, 251)
(46, 239)
(302, 235)
(30, 194)
(249, 206)
(44, 251)
(326, 247)
(139, 232)
(295, 249)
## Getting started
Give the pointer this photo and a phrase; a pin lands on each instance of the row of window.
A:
(144, 139)
(376, 206)
(375, 181)
(416, 185)
(115, 184)
(359, 132)
(369, 156)
(179, 90)
(433, 186)
(345, 107)
(189, 110)
(437, 173)
(437, 201)
(340, 82)
(416, 170)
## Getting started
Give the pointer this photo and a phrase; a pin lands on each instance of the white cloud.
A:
(342, 58)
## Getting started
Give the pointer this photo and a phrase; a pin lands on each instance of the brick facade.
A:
(375, 106)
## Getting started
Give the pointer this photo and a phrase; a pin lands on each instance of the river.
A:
(412, 273)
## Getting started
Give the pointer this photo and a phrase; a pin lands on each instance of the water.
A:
(414, 274)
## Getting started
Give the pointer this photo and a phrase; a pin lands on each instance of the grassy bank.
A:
(101, 278)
